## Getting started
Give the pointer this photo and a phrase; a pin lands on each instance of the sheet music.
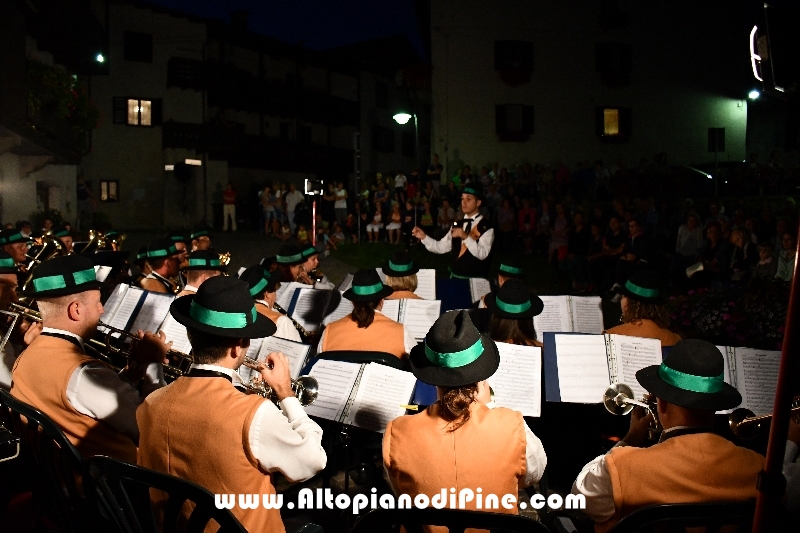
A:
(517, 384)
(101, 272)
(152, 313)
(347, 282)
(587, 314)
(391, 309)
(336, 380)
(632, 354)
(730, 378)
(110, 307)
(582, 367)
(125, 308)
(382, 395)
(247, 373)
(757, 378)
(284, 295)
(419, 316)
(239, 272)
(176, 332)
(554, 318)
(426, 284)
(295, 352)
(478, 288)
(309, 308)
(344, 308)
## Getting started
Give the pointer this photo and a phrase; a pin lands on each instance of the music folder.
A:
(306, 305)
(295, 352)
(426, 282)
(478, 288)
(754, 373)
(569, 314)
(368, 396)
(517, 383)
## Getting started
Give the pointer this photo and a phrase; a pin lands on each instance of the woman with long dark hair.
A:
(513, 308)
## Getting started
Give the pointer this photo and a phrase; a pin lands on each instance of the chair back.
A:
(710, 517)
(354, 356)
(456, 521)
(123, 491)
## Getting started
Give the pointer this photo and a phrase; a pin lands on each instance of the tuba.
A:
(44, 248)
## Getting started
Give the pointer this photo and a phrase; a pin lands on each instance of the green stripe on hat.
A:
(512, 308)
(220, 319)
(690, 382)
(509, 269)
(7, 262)
(367, 290)
(401, 268)
(641, 291)
(259, 287)
(163, 252)
(51, 283)
(204, 262)
(289, 258)
(455, 359)
(470, 190)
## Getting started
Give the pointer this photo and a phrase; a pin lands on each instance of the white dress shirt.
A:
(286, 329)
(282, 440)
(97, 391)
(408, 339)
(479, 249)
(8, 356)
(791, 471)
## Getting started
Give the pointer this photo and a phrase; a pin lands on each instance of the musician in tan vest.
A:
(262, 286)
(366, 329)
(461, 441)
(513, 307)
(85, 397)
(200, 266)
(689, 464)
(25, 331)
(163, 258)
(201, 428)
(643, 313)
(401, 276)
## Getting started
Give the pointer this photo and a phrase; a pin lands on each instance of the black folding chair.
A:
(455, 520)
(676, 518)
(123, 490)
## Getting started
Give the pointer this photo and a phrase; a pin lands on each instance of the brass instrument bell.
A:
(305, 388)
(745, 424)
(618, 400)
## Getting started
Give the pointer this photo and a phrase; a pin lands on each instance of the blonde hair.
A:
(406, 283)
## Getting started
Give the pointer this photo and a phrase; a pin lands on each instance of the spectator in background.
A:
(400, 182)
(374, 227)
(715, 257)
(743, 255)
(787, 257)
(505, 224)
(293, 198)
(434, 172)
(229, 207)
(340, 206)
(426, 221)
(394, 225)
(267, 208)
(25, 228)
(328, 203)
(559, 235)
(575, 263)
(687, 247)
(446, 215)
(526, 224)
(767, 266)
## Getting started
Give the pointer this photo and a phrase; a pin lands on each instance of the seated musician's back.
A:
(643, 313)
(690, 463)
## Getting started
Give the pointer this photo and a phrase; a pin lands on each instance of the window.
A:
(382, 95)
(137, 111)
(382, 139)
(613, 124)
(513, 122)
(138, 46)
(109, 191)
(613, 63)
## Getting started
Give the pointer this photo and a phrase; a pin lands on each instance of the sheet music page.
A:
(247, 373)
(101, 272)
(381, 275)
(419, 316)
(347, 282)
(633, 354)
(478, 288)
(426, 284)
(295, 352)
(587, 314)
(176, 332)
(517, 384)
(336, 380)
(309, 309)
(729, 377)
(582, 367)
(284, 295)
(153, 312)
(757, 378)
(391, 309)
(344, 308)
(125, 308)
(110, 307)
(382, 395)
(239, 272)
(554, 318)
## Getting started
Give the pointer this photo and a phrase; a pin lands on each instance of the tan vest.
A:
(647, 329)
(399, 295)
(383, 335)
(153, 285)
(41, 375)
(423, 457)
(196, 428)
(702, 467)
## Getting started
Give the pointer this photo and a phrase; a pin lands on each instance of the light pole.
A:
(403, 118)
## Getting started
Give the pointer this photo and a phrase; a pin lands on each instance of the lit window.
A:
(611, 122)
(140, 112)
(109, 191)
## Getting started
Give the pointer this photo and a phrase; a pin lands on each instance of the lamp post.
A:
(403, 118)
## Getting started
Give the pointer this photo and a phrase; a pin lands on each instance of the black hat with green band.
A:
(367, 287)
(691, 376)
(61, 276)
(222, 306)
(7, 265)
(290, 254)
(63, 232)
(161, 248)
(644, 285)
(309, 250)
(510, 268)
(474, 191)
(199, 233)
(258, 280)
(177, 237)
(514, 300)
(454, 353)
(12, 236)
(400, 265)
(204, 260)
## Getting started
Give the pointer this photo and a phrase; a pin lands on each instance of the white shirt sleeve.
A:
(594, 482)
(791, 471)
(286, 329)
(442, 246)
(409, 341)
(6, 364)
(480, 248)
(535, 458)
(287, 440)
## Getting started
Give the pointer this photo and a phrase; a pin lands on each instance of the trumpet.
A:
(745, 424)
(305, 388)
(179, 362)
(618, 400)
(25, 312)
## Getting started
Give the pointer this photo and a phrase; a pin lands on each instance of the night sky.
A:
(318, 24)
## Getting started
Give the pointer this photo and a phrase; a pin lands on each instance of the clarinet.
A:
(304, 333)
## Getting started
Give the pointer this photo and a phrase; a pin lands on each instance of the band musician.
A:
(164, 260)
(200, 266)
(93, 404)
(203, 429)
(401, 276)
(24, 330)
(262, 287)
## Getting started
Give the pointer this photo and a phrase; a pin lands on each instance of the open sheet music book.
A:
(417, 315)
(131, 309)
(368, 396)
(259, 349)
(579, 368)
(568, 314)
(307, 305)
(478, 288)
(754, 373)
(426, 282)
(517, 384)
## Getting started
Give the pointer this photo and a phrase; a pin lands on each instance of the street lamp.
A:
(403, 118)
(753, 94)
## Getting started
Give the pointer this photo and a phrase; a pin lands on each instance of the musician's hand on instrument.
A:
(418, 233)
(151, 348)
(276, 374)
(640, 424)
(303, 277)
(31, 332)
(458, 233)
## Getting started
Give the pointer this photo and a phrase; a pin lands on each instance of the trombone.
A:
(618, 400)
(305, 388)
(745, 424)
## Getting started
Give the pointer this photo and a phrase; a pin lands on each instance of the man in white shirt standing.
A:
(340, 205)
(292, 199)
(469, 241)
(201, 428)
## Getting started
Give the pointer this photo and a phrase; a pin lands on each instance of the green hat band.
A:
(367, 290)
(199, 234)
(7, 240)
(62, 233)
(510, 269)
(141, 256)
(7, 263)
(259, 287)
(175, 238)
(204, 262)
(220, 319)
(641, 291)
(512, 308)
(470, 190)
(163, 253)
(690, 382)
(401, 268)
(51, 283)
(454, 359)
(288, 258)
(308, 252)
